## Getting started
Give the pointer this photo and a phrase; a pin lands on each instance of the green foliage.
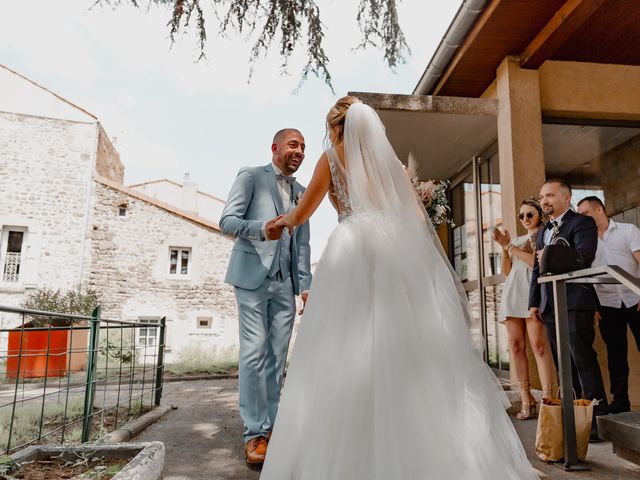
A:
(118, 346)
(80, 301)
(293, 22)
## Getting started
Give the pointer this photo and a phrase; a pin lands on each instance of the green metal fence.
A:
(72, 378)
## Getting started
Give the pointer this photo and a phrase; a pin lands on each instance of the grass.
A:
(26, 423)
(194, 359)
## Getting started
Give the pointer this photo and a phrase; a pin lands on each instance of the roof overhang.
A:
(595, 31)
(443, 133)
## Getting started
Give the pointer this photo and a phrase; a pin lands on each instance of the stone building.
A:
(516, 92)
(66, 219)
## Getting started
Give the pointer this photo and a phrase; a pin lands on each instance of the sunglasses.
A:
(529, 215)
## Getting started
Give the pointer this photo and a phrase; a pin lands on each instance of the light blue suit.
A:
(267, 275)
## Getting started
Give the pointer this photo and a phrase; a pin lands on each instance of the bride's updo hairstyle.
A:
(337, 115)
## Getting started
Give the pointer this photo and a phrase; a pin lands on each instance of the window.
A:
(179, 261)
(12, 253)
(147, 336)
(204, 322)
(122, 210)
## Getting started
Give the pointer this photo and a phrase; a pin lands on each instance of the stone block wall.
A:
(620, 170)
(45, 179)
(130, 267)
(108, 162)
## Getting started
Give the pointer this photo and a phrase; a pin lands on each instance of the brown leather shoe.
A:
(255, 450)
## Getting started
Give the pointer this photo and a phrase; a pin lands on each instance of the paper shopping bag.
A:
(549, 434)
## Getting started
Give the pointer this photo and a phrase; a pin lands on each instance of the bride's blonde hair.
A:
(337, 115)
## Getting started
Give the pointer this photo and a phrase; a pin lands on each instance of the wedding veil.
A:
(377, 182)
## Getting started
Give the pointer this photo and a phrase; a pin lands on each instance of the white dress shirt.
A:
(548, 233)
(616, 248)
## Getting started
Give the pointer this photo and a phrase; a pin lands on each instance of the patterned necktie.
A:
(289, 179)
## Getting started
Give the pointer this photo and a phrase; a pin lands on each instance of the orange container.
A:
(34, 361)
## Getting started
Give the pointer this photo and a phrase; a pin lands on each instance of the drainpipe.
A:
(462, 23)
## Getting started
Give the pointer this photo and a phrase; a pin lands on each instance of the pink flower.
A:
(425, 191)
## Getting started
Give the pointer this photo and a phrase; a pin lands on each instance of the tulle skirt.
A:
(384, 382)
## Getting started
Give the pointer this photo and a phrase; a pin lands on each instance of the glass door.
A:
(476, 207)
(492, 278)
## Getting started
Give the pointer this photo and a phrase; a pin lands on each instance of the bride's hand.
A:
(285, 222)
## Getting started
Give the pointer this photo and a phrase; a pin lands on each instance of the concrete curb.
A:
(190, 378)
(146, 463)
(131, 429)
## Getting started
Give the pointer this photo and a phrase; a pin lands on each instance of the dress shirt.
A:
(616, 248)
(548, 233)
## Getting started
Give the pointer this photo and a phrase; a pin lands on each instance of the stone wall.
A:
(45, 180)
(130, 267)
(108, 162)
(620, 170)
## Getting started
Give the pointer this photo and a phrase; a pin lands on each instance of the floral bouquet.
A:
(432, 194)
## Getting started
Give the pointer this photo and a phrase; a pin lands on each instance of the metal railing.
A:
(73, 378)
(11, 271)
(598, 275)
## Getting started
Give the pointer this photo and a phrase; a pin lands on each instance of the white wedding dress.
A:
(383, 382)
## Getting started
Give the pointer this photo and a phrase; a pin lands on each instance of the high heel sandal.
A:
(527, 410)
(548, 391)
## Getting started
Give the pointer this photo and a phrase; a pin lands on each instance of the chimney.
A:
(189, 201)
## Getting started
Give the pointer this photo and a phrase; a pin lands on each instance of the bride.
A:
(384, 382)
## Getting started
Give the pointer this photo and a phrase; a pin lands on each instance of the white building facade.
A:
(66, 220)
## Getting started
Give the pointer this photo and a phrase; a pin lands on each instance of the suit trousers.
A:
(613, 328)
(266, 317)
(587, 377)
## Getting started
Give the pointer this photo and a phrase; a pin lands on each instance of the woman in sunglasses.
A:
(517, 262)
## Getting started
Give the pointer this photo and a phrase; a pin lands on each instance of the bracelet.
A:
(509, 247)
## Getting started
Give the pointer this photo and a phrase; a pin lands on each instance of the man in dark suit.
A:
(582, 234)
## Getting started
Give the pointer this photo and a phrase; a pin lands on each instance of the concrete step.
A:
(623, 431)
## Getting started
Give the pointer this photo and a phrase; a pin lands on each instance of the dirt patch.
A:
(59, 469)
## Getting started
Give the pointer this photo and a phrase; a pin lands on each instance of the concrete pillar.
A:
(522, 171)
(519, 138)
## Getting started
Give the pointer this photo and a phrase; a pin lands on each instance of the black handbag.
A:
(557, 259)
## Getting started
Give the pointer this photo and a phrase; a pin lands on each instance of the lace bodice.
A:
(338, 190)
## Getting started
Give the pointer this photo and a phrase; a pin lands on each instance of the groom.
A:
(268, 267)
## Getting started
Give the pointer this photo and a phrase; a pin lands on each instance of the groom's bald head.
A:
(280, 134)
(287, 150)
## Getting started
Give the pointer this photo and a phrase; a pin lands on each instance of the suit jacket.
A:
(254, 199)
(581, 233)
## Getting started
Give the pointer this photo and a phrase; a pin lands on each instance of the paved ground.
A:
(202, 438)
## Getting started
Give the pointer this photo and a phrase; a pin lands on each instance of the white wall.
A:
(29, 99)
(172, 193)
(45, 183)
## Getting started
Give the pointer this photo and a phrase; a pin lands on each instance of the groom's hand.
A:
(274, 232)
(304, 296)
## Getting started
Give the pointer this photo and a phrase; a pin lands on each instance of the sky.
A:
(171, 115)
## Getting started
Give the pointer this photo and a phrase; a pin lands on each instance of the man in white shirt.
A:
(618, 244)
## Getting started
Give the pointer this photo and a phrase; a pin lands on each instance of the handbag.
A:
(558, 258)
(550, 434)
